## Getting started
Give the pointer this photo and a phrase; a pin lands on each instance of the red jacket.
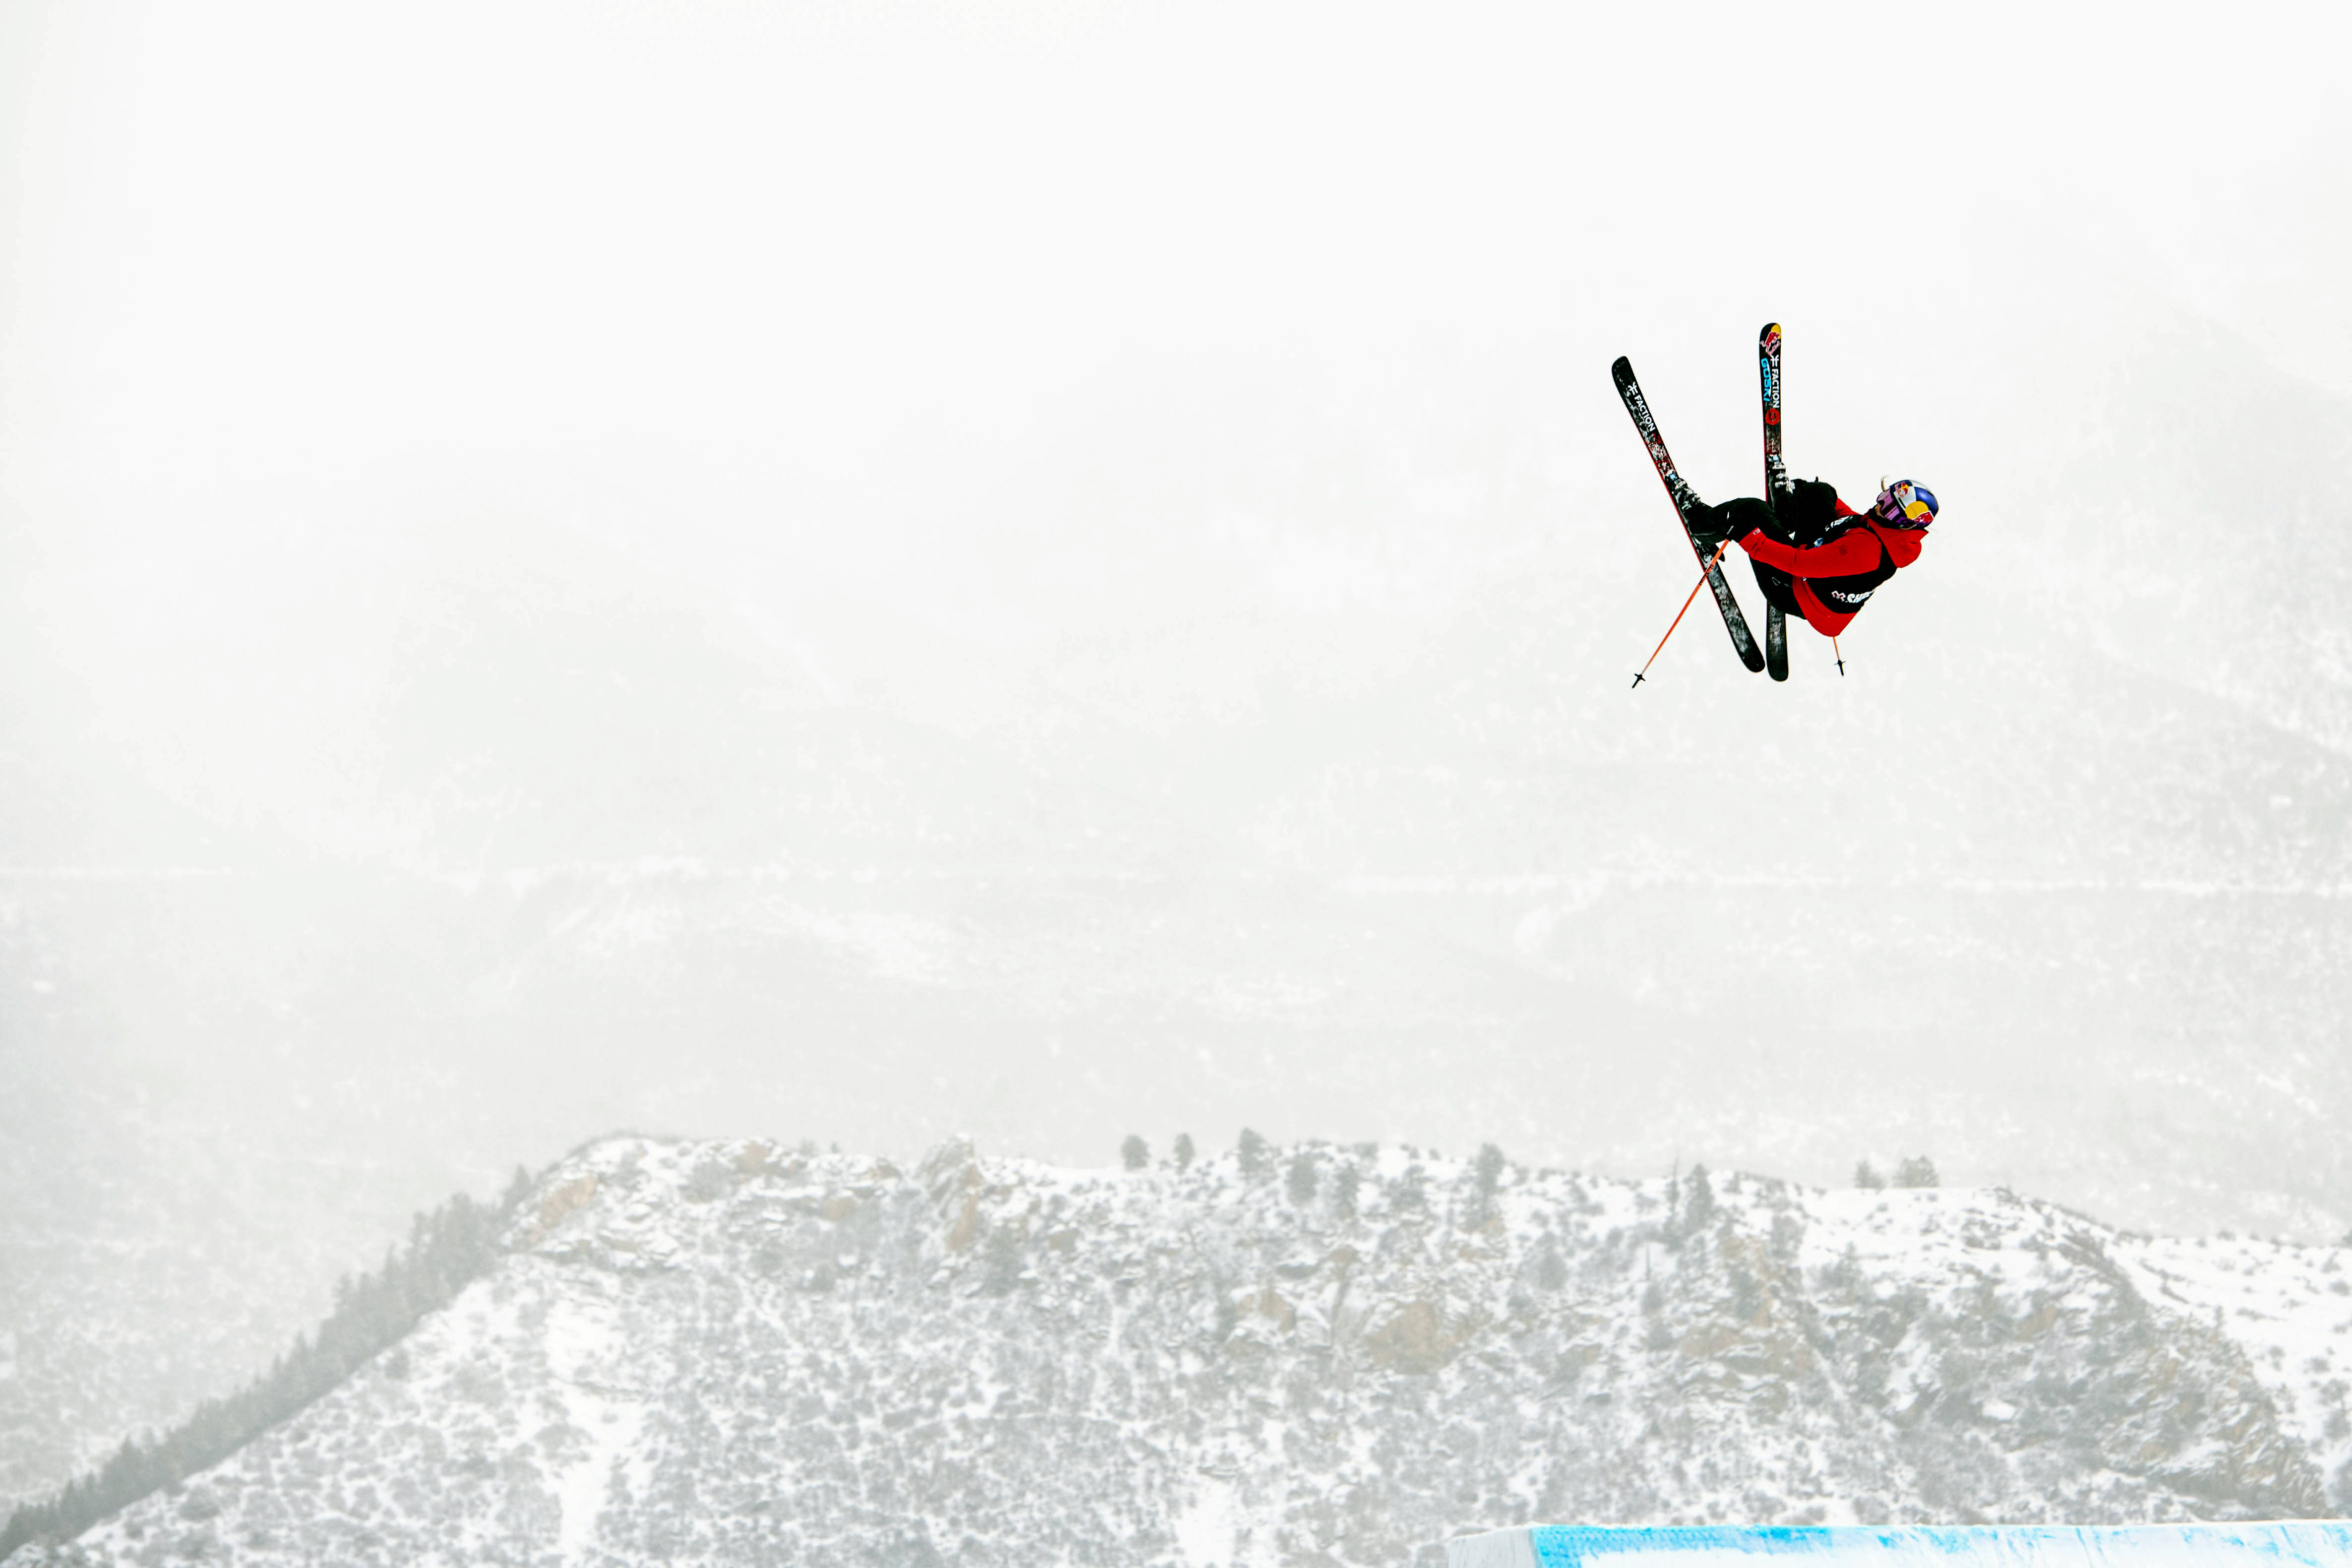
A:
(1853, 553)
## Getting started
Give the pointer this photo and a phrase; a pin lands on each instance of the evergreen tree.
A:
(1490, 1170)
(1866, 1174)
(1298, 1182)
(1488, 1173)
(1183, 1150)
(1134, 1153)
(1918, 1171)
(1698, 1203)
(1252, 1152)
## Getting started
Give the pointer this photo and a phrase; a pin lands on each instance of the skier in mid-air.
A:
(1814, 556)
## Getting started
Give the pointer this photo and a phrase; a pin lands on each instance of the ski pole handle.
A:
(1704, 573)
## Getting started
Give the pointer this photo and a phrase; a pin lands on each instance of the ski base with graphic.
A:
(1678, 490)
(1776, 483)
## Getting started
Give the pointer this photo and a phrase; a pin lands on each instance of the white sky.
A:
(759, 287)
(889, 323)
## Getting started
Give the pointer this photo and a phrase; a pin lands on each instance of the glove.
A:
(1806, 510)
(1711, 525)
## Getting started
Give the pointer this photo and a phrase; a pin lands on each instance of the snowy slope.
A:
(2289, 1307)
(724, 1353)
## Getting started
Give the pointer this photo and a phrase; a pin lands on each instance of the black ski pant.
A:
(1750, 512)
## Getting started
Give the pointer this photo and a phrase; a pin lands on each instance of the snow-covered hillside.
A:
(723, 1352)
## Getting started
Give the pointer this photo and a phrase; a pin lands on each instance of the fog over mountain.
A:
(1040, 573)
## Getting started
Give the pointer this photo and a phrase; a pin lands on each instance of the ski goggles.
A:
(1905, 505)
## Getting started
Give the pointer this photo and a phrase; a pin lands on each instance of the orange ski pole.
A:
(1838, 654)
(1684, 610)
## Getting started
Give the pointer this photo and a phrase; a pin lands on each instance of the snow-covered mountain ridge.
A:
(723, 1352)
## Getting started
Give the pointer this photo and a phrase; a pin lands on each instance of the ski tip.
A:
(1622, 369)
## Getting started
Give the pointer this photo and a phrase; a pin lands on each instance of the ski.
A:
(1678, 490)
(1776, 483)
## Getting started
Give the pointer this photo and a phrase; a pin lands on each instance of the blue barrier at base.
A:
(2281, 1545)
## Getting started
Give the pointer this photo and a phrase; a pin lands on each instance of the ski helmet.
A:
(1904, 504)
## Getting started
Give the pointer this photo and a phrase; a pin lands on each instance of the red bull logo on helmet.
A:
(1904, 504)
